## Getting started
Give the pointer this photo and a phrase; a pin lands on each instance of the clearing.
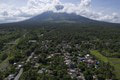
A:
(115, 62)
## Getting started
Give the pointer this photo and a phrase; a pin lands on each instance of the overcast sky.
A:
(17, 10)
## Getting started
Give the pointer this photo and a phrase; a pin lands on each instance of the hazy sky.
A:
(16, 10)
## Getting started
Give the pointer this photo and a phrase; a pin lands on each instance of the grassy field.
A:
(4, 65)
(99, 56)
(115, 62)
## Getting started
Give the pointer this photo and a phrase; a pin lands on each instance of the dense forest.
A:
(60, 51)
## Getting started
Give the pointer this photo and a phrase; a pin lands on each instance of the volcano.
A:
(58, 18)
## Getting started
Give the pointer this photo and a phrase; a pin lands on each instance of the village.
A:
(69, 60)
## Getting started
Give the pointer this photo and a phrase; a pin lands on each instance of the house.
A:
(14, 63)
(72, 73)
(72, 66)
(87, 56)
(79, 78)
(72, 70)
(95, 77)
(11, 77)
(19, 66)
(67, 62)
(32, 41)
(97, 62)
(42, 71)
(36, 65)
(23, 62)
(50, 56)
(90, 61)
(40, 35)
(81, 59)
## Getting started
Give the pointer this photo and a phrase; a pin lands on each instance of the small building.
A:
(11, 77)
(87, 56)
(14, 63)
(36, 65)
(67, 62)
(50, 56)
(42, 71)
(19, 66)
(95, 77)
(81, 58)
(32, 41)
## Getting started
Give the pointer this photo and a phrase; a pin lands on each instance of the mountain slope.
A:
(51, 16)
(57, 18)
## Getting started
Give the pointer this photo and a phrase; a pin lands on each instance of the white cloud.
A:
(35, 7)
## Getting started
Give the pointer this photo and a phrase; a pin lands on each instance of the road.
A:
(19, 74)
(21, 70)
(30, 57)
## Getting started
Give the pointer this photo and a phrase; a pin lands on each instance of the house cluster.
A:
(89, 60)
(18, 66)
(73, 71)
(76, 72)
(34, 61)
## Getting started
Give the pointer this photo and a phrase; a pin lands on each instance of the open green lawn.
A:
(4, 65)
(115, 62)
(99, 56)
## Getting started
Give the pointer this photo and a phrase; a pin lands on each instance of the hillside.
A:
(51, 18)
(59, 46)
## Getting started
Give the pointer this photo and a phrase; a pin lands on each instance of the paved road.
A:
(30, 57)
(19, 74)
(21, 70)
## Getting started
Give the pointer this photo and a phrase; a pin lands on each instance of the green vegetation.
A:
(60, 52)
(115, 62)
(99, 56)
